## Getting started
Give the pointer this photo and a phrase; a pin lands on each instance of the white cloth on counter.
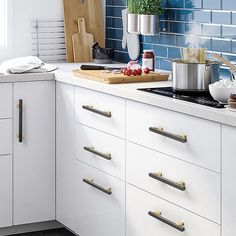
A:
(28, 64)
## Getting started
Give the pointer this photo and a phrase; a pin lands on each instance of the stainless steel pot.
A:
(194, 77)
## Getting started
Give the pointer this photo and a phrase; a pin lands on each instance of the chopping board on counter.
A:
(82, 43)
(91, 10)
(112, 78)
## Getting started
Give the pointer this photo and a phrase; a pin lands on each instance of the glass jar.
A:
(148, 60)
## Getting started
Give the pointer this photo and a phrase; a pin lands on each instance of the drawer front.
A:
(100, 111)
(100, 211)
(191, 187)
(100, 150)
(5, 191)
(5, 100)
(5, 136)
(186, 137)
(143, 218)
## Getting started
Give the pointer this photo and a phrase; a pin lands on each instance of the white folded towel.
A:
(29, 64)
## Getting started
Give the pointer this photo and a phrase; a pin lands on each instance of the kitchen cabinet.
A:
(34, 155)
(179, 182)
(176, 134)
(100, 203)
(150, 215)
(228, 184)
(65, 163)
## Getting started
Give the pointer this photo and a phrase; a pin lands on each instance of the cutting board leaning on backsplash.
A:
(91, 10)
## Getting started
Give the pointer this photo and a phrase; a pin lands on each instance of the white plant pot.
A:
(149, 24)
(133, 24)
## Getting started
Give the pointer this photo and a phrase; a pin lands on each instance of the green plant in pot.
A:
(150, 11)
(133, 16)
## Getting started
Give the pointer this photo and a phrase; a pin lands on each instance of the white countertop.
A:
(129, 91)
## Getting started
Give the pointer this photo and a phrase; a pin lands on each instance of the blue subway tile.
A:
(202, 16)
(212, 4)
(174, 52)
(114, 11)
(165, 65)
(114, 33)
(184, 15)
(116, 2)
(121, 57)
(211, 30)
(229, 5)
(193, 3)
(234, 18)
(176, 4)
(221, 17)
(221, 45)
(167, 39)
(160, 51)
(229, 31)
(177, 27)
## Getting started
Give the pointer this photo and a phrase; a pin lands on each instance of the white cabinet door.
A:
(100, 150)
(65, 160)
(228, 181)
(34, 157)
(147, 215)
(100, 208)
(5, 191)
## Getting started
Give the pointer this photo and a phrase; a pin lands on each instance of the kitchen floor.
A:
(53, 232)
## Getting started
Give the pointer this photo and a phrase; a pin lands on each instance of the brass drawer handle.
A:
(94, 110)
(104, 190)
(178, 185)
(157, 215)
(106, 156)
(179, 138)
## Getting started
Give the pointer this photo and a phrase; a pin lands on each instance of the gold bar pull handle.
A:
(178, 185)
(94, 110)
(161, 131)
(106, 156)
(102, 189)
(157, 215)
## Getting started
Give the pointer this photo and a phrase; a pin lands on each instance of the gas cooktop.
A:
(202, 99)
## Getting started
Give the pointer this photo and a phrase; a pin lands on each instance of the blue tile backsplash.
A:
(213, 21)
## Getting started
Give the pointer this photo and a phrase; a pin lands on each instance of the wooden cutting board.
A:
(82, 43)
(110, 78)
(91, 10)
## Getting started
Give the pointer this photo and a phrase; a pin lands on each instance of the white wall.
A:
(23, 11)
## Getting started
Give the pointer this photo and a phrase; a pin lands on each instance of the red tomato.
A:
(146, 70)
(135, 72)
(123, 70)
(128, 72)
(140, 71)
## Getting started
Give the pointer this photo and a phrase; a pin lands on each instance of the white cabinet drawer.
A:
(100, 111)
(5, 100)
(101, 150)
(164, 176)
(201, 146)
(5, 136)
(99, 213)
(140, 223)
(5, 191)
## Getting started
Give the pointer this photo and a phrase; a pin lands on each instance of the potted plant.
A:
(150, 11)
(133, 16)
